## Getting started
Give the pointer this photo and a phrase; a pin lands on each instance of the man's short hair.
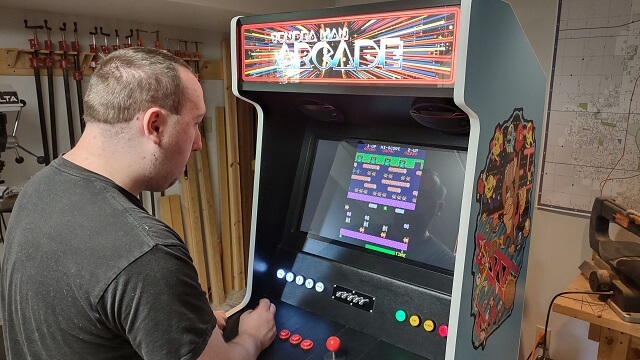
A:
(132, 80)
(440, 191)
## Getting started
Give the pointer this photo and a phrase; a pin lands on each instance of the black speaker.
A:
(440, 114)
(319, 110)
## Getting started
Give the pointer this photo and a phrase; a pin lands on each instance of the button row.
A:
(295, 339)
(300, 280)
(428, 325)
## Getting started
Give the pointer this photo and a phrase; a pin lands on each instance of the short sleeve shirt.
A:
(89, 274)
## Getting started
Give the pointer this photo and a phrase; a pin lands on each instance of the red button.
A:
(284, 334)
(295, 339)
(306, 344)
(443, 330)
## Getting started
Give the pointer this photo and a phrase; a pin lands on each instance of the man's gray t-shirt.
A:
(89, 274)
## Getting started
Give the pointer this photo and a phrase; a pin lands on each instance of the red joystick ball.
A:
(333, 344)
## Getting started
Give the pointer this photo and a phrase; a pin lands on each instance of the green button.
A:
(401, 315)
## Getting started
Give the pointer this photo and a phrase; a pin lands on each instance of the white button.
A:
(290, 276)
(319, 287)
(280, 274)
(299, 280)
(309, 283)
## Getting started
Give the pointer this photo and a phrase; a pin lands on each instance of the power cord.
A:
(536, 345)
(545, 351)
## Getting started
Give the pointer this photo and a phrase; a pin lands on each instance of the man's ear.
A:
(154, 123)
(440, 207)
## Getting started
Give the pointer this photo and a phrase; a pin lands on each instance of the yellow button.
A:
(429, 325)
(414, 320)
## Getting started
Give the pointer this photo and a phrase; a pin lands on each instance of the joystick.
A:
(333, 345)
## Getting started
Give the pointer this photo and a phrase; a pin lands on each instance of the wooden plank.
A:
(171, 213)
(186, 207)
(225, 224)
(211, 239)
(16, 62)
(594, 332)
(247, 148)
(194, 230)
(165, 211)
(634, 353)
(589, 308)
(211, 70)
(233, 160)
(614, 345)
(176, 215)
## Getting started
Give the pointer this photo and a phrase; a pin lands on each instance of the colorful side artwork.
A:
(504, 191)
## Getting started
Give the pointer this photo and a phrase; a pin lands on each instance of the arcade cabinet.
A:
(396, 156)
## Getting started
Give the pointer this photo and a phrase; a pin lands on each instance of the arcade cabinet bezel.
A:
(297, 240)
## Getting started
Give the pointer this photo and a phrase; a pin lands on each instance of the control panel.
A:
(411, 317)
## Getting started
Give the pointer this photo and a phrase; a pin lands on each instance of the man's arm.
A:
(256, 331)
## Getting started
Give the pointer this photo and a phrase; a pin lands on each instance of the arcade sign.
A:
(415, 47)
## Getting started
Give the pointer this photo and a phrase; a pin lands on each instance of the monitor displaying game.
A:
(393, 200)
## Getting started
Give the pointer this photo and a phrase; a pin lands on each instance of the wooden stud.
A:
(193, 224)
(634, 353)
(613, 345)
(594, 332)
(171, 213)
(246, 142)
(211, 239)
(176, 215)
(233, 160)
(225, 224)
(165, 211)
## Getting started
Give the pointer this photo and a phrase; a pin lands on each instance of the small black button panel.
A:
(353, 298)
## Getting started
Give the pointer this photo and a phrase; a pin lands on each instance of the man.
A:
(430, 250)
(87, 272)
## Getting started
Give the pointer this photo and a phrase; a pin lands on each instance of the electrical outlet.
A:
(540, 331)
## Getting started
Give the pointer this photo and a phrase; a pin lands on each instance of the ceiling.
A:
(199, 14)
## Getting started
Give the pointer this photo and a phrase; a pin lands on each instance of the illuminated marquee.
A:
(409, 47)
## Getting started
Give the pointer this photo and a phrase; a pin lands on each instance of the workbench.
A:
(618, 340)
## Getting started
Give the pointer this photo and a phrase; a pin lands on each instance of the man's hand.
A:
(259, 323)
(221, 319)
(256, 331)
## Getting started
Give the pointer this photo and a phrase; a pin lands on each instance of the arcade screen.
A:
(393, 200)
